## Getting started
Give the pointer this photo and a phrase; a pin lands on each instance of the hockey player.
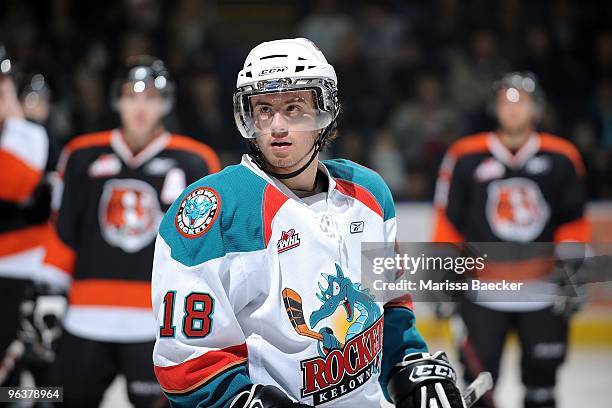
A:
(116, 184)
(256, 275)
(24, 209)
(518, 186)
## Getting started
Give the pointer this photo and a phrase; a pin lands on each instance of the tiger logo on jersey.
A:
(516, 209)
(129, 214)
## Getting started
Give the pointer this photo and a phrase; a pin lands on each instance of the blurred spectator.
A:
(603, 55)
(603, 111)
(473, 73)
(597, 161)
(387, 160)
(203, 110)
(425, 125)
(326, 26)
(381, 33)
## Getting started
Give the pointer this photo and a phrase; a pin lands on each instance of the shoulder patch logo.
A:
(197, 212)
(289, 240)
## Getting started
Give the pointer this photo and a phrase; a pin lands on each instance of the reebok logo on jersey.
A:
(197, 212)
(289, 240)
(106, 165)
(356, 227)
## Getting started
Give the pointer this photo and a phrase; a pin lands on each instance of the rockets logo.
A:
(289, 240)
(516, 209)
(129, 214)
(197, 212)
(351, 352)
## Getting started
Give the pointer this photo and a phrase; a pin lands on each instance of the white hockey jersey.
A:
(253, 285)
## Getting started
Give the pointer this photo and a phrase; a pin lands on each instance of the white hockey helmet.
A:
(287, 65)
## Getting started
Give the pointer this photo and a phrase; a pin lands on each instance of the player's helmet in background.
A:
(286, 65)
(521, 81)
(34, 89)
(6, 65)
(144, 72)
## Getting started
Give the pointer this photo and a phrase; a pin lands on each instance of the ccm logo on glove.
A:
(432, 371)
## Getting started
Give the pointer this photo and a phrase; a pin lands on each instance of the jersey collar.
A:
(151, 150)
(248, 163)
(518, 159)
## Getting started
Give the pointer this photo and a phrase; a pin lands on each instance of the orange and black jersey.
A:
(485, 193)
(109, 204)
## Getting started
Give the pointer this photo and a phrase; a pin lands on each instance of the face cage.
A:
(326, 100)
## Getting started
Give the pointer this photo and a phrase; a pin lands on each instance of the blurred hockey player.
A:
(24, 228)
(115, 186)
(519, 187)
(257, 269)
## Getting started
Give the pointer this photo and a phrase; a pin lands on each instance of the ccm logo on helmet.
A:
(429, 371)
(271, 71)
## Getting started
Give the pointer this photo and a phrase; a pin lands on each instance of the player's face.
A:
(140, 112)
(285, 121)
(515, 110)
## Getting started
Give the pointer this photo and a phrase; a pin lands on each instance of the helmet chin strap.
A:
(259, 160)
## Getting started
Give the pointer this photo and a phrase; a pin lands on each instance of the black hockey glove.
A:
(423, 380)
(264, 396)
(41, 328)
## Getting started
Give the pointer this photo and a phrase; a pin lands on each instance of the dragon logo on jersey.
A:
(197, 212)
(516, 209)
(349, 344)
(129, 214)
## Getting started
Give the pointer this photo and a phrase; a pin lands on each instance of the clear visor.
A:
(296, 110)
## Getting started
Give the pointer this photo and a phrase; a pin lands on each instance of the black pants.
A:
(85, 368)
(542, 335)
(12, 294)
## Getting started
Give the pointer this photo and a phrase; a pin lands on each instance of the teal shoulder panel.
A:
(366, 178)
(236, 227)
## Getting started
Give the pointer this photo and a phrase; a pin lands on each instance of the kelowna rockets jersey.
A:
(112, 202)
(252, 284)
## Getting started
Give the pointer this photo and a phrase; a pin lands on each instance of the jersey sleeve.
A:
(67, 205)
(571, 221)
(449, 201)
(23, 156)
(400, 335)
(200, 354)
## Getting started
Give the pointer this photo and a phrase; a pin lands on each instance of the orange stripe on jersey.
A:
(89, 140)
(530, 269)
(17, 179)
(59, 254)
(191, 374)
(273, 200)
(561, 146)
(24, 239)
(102, 292)
(404, 301)
(82, 142)
(470, 144)
(178, 142)
(360, 194)
(444, 230)
(578, 230)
